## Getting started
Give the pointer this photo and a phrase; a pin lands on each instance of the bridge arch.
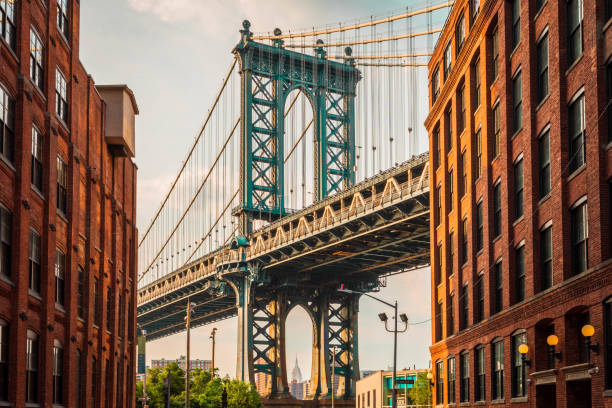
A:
(299, 314)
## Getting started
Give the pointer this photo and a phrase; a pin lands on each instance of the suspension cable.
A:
(363, 42)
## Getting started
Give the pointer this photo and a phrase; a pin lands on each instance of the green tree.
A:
(420, 393)
(157, 388)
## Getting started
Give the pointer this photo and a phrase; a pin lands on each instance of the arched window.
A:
(480, 371)
(464, 365)
(58, 372)
(439, 382)
(451, 375)
(4, 359)
(32, 367)
(497, 375)
(519, 388)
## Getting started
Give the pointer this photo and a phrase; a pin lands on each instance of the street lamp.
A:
(523, 350)
(383, 318)
(189, 310)
(212, 336)
(431, 383)
(552, 341)
(588, 331)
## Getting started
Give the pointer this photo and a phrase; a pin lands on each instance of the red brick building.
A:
(520, 127)
(67, 218)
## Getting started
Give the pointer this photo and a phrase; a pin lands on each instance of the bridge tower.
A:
(268, 74)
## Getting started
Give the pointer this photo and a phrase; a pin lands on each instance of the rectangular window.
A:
(546, 272)
(461, 108)
(459, 35)
(7, 124)
(451, 252)
(538, 5)
(497, 208)
(61, 96)
(439, 382)
(496, 130)
(474, 9)
(108, 309)
(544, 164)
(464, 302)
(58, 374)
(121, 316)
(464, 176)
(450, 328)
(464, 245)
(499, 287)
(479, 365)
(608, 340)
(31, 367)
(438, 320)
(37, 158)
(8, 31)
(542, 67)
(80, 293)
(479, 293)
(576, 133)
(4, 359)
(6, 227)
(518, 373)
(517, 101)
(476, 73)
(62, 185)
(450, 366)
(439, 208)
(62, 17)
(515, 9)
(580, 236)
(451, 188)
(96, 301)
(464, 362)
(519, 267)
(435, 85)
(34, 261)
(497, 381)
(495, 47)
(478, 154)
(479, 227)
(36, 60)
(60, 270)
(448, 120)
(436, 137)
(574, 30)
(447, 61)
(439, 265)
(518, 189)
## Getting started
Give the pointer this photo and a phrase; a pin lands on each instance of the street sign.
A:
(147, 398)
(409, 381)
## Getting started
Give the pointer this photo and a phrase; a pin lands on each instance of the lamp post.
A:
(190, 307)
(430, 381)
(588, 331)
(395, 331)
(552, 341)
(523, 350)
(212, 336)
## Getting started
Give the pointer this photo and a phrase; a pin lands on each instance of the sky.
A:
(173, 54)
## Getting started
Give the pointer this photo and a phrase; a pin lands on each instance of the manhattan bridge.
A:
(310, 171)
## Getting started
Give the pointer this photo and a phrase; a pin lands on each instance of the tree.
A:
(157, 389)
(420, 393)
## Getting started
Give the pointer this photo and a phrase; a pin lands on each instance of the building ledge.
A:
(577, 372)
(519, 400)
(545, 377)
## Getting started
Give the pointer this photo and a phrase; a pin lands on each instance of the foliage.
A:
(204, 391)
(420, 393)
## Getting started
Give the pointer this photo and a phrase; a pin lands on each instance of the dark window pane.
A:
(519, 266)
(498, 301)
(497, 207)
(451, 379)
(544, 164)
(576, 134)
(34, 261)
(7, 124)
(546, 258)
(517, 99)
(542, 67)
(574, 30)
(6, 228)
(580, 237)
(516, 22)
(498, 370)
(465, 376)
(519, 388)
(4, 360)
(518, 189)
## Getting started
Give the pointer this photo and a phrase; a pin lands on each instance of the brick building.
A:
(520, 130)
(197, 364)
(67, 218)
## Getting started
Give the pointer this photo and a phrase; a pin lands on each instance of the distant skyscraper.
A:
(296, 386)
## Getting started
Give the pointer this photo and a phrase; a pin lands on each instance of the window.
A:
(464, 175)
(451, 188)
(81, 293)
(450, 328)
(61, 96)
(518, 373)
(496, 130)
(515, 10)
(58, 373)
(464, 246)
(576, 133)
(60, 268)
(450, 367)
(499, 287)
(609, 93)
(447, 61)
(439, 382)
(542, 67)
(495, 46)
(478, 154)
(448, 120)
(463, 300)
(574, 30)
(479, 378)
(538, 5)
(108, 309)
(439, 265)
(474, 9)
(546, 273)
(7, 22)
(479, 227)
(464, 363)
(608, 341)
(518, 188)
(476, 73)
(94, 381)
(436, 137)
(459, 35)
(34, 261)
(36, 60)
(544, 164)
(451, 252)
(439, 208)
(7, 123)
(31, 367)
(435, 85)
(497, 209)
(62, 183)
(517, 101)
(461, 108)
(37, 165)
(438, 320)
(78, 379)
(62, 17)
(4, 359)
(580, 235)
(6, 223)
(96, 301)
(479, 294)
(497, 380)
(608, 9)
(519, 267)
(121, 316)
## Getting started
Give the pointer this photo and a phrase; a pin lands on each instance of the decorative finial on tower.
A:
(246, 30)
(320, 51)
(277, 41)
(348, 51)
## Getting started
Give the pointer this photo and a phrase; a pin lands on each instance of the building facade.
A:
(197, 364)
(67, 218)
(376, 389)
(520, 127)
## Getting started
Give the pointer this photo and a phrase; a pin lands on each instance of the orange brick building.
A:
(67, 218)
(520, 127)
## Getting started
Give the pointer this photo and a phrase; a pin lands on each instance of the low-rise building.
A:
(375, 390)
(205, 365)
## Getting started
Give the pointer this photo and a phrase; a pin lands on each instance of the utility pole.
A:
(333, 377)
(187, 365)
(212, 336)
